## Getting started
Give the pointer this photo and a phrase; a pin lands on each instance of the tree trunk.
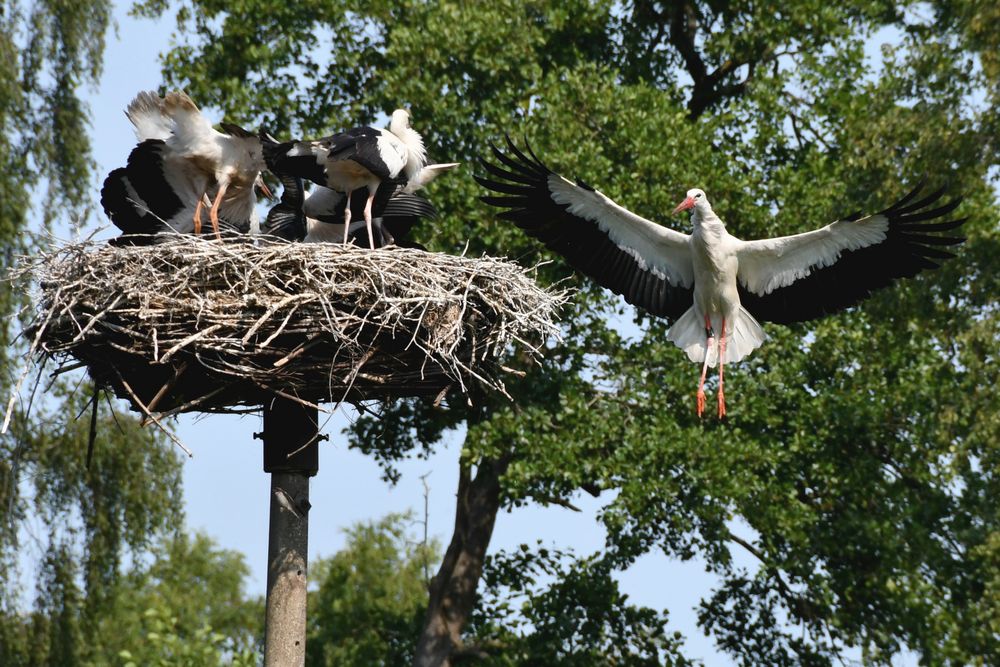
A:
(453, 588)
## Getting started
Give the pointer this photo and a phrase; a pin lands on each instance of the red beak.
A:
(266, 191)
(684, 205)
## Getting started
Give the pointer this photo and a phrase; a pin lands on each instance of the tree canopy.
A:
(73, 522)
(370, 599)
(858, 465)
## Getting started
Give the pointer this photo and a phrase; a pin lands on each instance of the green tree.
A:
(860, 453)
(85, 521)
(368, 607)
(71, 523)
(188, 606)
(546, 607)
(48, 50)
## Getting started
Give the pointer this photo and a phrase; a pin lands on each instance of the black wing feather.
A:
(910, 247)
(279, 162)
(151, 201)
(523, 183)
(286, 219)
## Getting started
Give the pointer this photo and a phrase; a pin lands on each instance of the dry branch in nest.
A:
(196, 325)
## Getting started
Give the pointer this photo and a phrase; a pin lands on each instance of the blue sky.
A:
(226, 491)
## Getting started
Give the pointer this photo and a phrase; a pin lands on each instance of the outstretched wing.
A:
(147, 114)
(648, 264)
(192, 133)
(805, 276)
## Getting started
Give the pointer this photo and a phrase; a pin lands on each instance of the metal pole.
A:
(291, 455)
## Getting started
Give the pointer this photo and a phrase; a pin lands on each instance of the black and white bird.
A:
(319, 217)
(394, 214)
(711, 285)
(147, 198)
(140, 200)
(224, 165)
(286, 219)
(364, 158)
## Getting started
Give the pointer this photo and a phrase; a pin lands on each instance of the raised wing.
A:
(148, 116)
(193, 134)
(805, 276)
(428, 173)
(304, 159)
(648, 264)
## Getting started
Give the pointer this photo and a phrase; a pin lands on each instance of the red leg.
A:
(722, 356)
(347, 217)
(197, 217)
(368, 217)
(213, 215)
(710, 336)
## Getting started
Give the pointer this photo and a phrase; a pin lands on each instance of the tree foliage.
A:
(860, 453)
(368, 606)
(581, 619)
(81, 522)
(48, 50)
(72, 524)
(187, 607)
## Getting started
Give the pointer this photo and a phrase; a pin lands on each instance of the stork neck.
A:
(414, 143)
(704, 217)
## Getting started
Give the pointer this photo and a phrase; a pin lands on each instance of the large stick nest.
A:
(189, 324)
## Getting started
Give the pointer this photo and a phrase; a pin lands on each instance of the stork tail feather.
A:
(742, 336)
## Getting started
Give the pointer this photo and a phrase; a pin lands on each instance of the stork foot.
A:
(722, 404)
(701, 402)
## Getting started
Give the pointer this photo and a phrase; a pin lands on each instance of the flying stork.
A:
(711, 285)
(363, 158)
(227, 164)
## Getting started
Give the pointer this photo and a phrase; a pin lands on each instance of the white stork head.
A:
(696, 200)
(399, 125)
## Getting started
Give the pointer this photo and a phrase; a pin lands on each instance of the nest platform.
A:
(190, 324)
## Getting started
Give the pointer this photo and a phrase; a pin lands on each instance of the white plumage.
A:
(201, 160)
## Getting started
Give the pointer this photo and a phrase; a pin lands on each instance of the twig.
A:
(190, 339)
(168, 385)
(312, 342)
(156, 421)
(92, 438)
(186, 407)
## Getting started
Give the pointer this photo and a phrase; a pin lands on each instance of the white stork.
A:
(365, 158)
(320, 216)
(713, 286)
(150, 196)
(199, 157)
